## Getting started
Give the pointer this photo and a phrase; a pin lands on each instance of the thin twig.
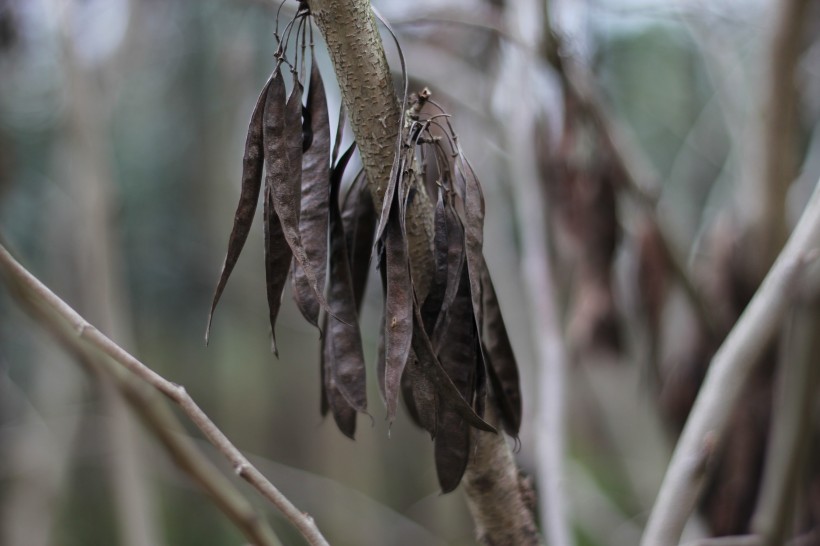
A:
(730, 368)
(156, 416)
(38, 292)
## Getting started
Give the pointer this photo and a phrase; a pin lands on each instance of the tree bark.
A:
(491, 483)
(355, 46)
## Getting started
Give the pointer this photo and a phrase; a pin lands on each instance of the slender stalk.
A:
(32, 289)
(728, 372)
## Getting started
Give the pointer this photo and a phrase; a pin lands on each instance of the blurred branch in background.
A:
(517, 106)
(778, 152)
(85, 158)
(727, 375)
(61, 319)
(791, 432)
(766, 228)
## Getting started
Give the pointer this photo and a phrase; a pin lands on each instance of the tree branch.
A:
(61, 319)
(515, 114)
(791, 427)
(368, 94)
(728, 372)
(778, 146)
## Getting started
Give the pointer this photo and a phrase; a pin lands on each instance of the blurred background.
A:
(122, 125)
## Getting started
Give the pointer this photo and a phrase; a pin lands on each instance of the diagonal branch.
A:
(728, 372)
(791, 427)
(61, 319)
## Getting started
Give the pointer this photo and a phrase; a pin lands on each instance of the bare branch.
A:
(494, 492)
(727, 375)
(778, 146)
(514, 114)
(791, 426)
(58, 316)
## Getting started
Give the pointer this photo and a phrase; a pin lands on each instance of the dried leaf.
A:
(313, 219)
(398, 310)
(252, 163)
(344, 338)
(501, 364)
(277, 252)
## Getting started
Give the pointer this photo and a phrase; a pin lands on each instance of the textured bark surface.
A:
(355, 46)
(495, 496)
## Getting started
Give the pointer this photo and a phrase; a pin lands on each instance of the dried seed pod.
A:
(347, 356)
(447, 395)
(333, 399)
(473, 230)
(398, 318)
(460, 360)
(431, 307)
(501, 364)
(252, 163)
(277, 251)
(284, 158)
(277, 263)
(455, 266)
(315, 194)
(359, 220)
